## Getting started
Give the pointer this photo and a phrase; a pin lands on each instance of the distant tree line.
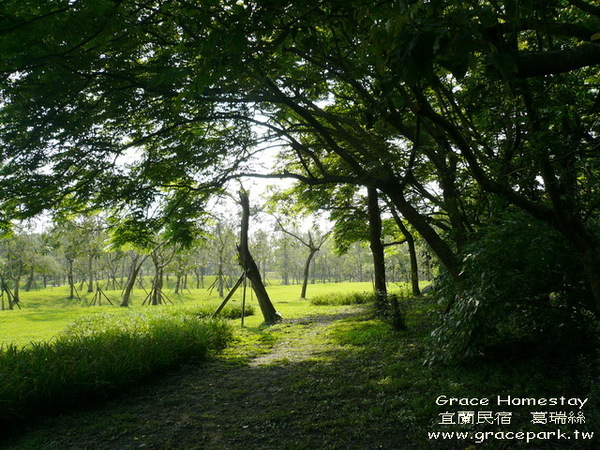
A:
(80, 253)
(472, 125)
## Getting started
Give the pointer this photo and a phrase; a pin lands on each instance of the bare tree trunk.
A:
(376, 245)
(133, 274)
(157, 286)
(71, 279)
(220, 279)
(30, 280)
(199, 272)
(177, 283)
(158, 281)
(313, 247)
(90, 274)
(2, 291)
(268, 310)
(311, 254)
(17, 281)
(412, 251)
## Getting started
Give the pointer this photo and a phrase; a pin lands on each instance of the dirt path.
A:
(279, 399)
(297, 348)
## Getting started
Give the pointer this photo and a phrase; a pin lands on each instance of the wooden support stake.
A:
(244, 301)
(231, 292)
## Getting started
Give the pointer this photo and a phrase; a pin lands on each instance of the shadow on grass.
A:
(339, 381)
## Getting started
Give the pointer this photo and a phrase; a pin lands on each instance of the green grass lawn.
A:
(337, 377)
(47, 312)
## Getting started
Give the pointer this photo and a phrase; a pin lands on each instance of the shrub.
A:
(230, 311)
(521, 284)
(98, 357)
(390, 307)
(355, 298)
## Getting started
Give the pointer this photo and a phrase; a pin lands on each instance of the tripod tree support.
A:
(251, 270)
(228, 297)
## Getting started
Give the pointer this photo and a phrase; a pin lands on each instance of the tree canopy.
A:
(461, 114)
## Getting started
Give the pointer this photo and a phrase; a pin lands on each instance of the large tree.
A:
(457, 112)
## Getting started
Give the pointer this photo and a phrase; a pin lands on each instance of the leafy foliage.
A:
(457, 112)
(519, 285)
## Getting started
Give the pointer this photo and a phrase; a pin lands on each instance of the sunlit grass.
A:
(100, 355)
(47, 312)
(341, 374)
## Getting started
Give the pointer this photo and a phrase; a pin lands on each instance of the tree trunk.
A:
(376, 245)
(157, 282)
(199, 272)
(286, 264)
(412, 251)
(90, 274)
(2, 292)
(17, 281)
(306, 272)
(268, 310)
(30, 280)
(442, 250)
(133, 274)
(71, 279)
(157, 287)
(177, 283)
(220, 279)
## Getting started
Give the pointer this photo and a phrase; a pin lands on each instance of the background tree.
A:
(223, 251)
(251, 270)
(180, 266)
(20, 253)
(137, 260)
(161, 256)
(287, 256)
(312, 240)
(200, 258)
(393, 96)
(262, 249)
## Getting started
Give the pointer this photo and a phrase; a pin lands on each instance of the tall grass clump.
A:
(230, 311)
(98, 357)
(339, 299)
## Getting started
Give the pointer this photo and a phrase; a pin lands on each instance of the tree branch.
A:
(560, 61)
(586, 7)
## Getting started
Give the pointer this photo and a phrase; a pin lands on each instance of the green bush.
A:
(100, 356)
(355, 298)
(521, 285)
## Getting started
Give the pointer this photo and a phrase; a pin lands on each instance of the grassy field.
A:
(47, 312)
(328, 377)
